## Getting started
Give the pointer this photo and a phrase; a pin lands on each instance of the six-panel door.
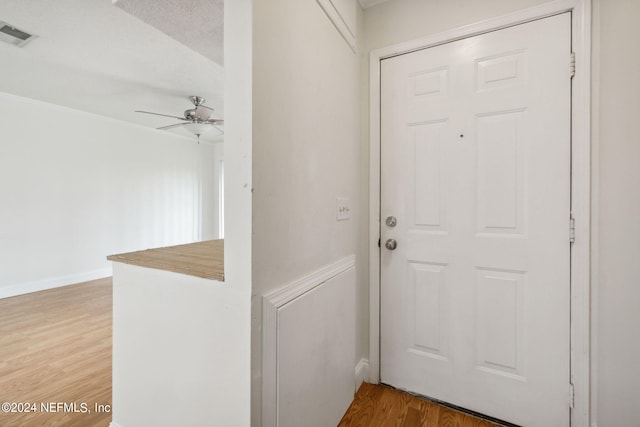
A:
(475, 149)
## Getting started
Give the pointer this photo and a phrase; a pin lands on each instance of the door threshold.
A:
(484, 417)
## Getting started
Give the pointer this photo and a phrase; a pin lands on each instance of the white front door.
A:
(475, 168)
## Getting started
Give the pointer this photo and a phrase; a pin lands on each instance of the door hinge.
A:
(572, 229)
(572, 65)
(378, 242)
(572, 396)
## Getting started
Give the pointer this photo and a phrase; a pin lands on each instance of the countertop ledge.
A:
(200, 259)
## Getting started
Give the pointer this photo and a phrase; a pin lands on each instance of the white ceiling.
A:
(368, 3)
(93, 56)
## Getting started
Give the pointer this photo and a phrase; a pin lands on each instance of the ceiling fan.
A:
(196, 120)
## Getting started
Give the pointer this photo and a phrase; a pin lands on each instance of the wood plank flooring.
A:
(381, 406)
(55, 348)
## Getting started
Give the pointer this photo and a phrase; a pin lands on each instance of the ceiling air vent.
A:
(11, 34)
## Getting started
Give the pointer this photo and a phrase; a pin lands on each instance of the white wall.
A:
(311, 322)
(178, 350)
(306, 151)
(397, 21)
(236, 292)
(616, 167)
(77, 187)
(616, 110)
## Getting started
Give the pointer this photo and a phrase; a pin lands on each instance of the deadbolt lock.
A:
(391, 221)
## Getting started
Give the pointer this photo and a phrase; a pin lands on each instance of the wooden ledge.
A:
(201, 259)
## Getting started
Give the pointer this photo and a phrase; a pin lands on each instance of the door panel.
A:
(475, 152)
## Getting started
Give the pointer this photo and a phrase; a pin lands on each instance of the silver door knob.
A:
(391, 244)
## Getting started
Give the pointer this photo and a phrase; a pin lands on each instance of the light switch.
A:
(343, 211)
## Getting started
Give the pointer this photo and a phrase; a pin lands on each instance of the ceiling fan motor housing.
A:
(196, 114)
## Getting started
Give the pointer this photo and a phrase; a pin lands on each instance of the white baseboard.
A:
(114, 424)
(362, 372)
(52, 282)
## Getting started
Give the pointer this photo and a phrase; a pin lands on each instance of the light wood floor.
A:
(381, 406)
(55, 346)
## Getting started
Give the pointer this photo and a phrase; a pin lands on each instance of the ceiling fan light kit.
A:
(197, 128)
(196, 120)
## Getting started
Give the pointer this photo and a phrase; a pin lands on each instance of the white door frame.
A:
(580, 183)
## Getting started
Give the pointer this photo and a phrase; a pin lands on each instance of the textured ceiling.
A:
(92, 56)
(198, 24)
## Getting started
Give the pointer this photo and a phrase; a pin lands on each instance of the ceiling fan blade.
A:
(216, 121)
(158, 114)
(170, 126)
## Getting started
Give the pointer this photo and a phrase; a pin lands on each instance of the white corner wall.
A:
(306, 152)
(77, 187)
(616, 114)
